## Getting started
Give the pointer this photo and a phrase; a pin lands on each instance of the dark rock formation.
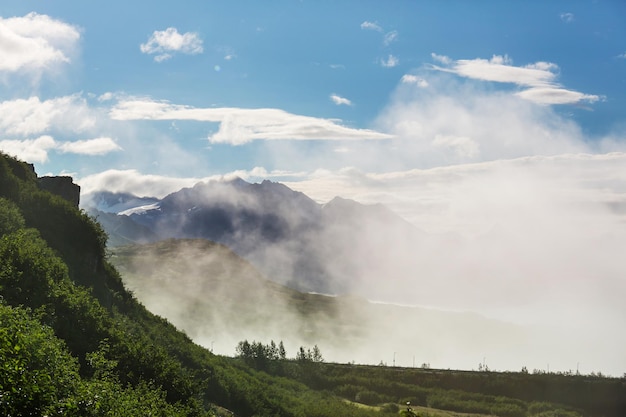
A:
(64, 187)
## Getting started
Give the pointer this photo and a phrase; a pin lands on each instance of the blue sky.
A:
(503, 122)
(295, 56)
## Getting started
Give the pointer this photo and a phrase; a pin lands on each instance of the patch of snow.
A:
(140, 209)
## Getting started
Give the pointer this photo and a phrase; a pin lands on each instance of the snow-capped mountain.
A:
(331, 248)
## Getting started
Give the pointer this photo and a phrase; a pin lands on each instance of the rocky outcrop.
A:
(62, 186)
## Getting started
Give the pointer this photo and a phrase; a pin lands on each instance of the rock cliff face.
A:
(61, 186)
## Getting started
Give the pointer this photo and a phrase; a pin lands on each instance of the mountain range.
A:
(341, 247)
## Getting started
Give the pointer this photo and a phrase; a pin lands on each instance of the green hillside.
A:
(75, 342)
(214, 295)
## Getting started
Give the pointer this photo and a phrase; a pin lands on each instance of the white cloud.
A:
(462, 146)
(414, 79)
(371, 26)
(550, 95)
(228, 53)
(35, 43)
(432, 198)
(165, 42)
(97, 146)
(390, 37)
(31, 150)
(539, 78)
(442, 59)
(108, 96)
(132, 181)
(500, 69)
(390, 62)
(151, 185)
(567, 17)
(37, 150)
(25, 117)
(338, 100)
(239, 126)
(502, 125)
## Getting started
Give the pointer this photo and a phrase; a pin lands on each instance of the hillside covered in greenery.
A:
(75, 342)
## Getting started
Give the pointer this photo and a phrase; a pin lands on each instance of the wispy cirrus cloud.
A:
(338, 100)
(567, 17)
(238, 126)
(36, 43)
(163, 43)
(538, 79)
(390, 37)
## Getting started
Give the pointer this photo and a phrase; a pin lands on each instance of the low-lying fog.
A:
(526, 218)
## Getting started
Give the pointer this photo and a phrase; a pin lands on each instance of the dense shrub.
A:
(28, 269)
(369, 397)
(37, 374)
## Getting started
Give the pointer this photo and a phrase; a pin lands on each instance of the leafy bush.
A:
(10, 217)
(28, 269)
(369, 397)
(37, 374)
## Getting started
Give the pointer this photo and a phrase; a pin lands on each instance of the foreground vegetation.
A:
(74, 342)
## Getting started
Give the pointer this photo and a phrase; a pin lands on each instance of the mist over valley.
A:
(230, 260)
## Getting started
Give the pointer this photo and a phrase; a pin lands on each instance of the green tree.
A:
(317, 354)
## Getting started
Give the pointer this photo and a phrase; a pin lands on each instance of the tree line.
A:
(269, 357)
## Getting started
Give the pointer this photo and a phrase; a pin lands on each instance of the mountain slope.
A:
(219, 299)
(121, 230)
